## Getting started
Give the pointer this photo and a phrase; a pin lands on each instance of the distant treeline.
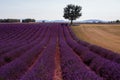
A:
(17, 20)
(28, 20)
(117, 21)
(9, 20)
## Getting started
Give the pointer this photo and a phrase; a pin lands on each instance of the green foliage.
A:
(117, 21)
(28, 20)
(9, 20)
(72, 12)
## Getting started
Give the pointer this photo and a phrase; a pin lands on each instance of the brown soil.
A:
(58, 71)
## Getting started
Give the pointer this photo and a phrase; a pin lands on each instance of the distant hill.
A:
(42, 20)
(52, 21)
(84, 21)
(58, 21)
(93, 21)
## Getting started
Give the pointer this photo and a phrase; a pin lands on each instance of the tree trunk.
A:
(71, 22)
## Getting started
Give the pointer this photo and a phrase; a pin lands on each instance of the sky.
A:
(53, 9)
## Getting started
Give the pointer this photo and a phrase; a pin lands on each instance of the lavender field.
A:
(51, 51)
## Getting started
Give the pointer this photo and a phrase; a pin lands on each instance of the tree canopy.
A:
(72, 12)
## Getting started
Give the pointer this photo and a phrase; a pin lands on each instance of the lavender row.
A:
(16, 45)
(23, 35)
(72, 66)
(98, 50)
(10, 39)
(11, 55)
(105, 53)
(43, 69)
(108, 69)
(77, 39)
(12, 42)
(14, 34)
(16, 68)
(20, 41)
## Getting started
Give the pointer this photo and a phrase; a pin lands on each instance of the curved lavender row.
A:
(22, 36)
(98, 50)
(3, 44)
(8, 47)
(15, 46)
(19, 41)
(25, 34)
(29, 35)
(105, 68)
(20, 27)
(8, 30)
(33, 26)
(76, 39)
(13, 37)
(16, 43)
(105, 53)
(16, 35)
(72, 66)
(8, 57)
(16, 68)
(12, 43)
(28, 26)
(43, 69)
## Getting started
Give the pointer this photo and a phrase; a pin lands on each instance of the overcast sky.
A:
(53, 9)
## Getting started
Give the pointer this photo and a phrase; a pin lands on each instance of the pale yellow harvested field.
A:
(105, 35)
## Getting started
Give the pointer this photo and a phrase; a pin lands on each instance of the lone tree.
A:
(72, 12)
